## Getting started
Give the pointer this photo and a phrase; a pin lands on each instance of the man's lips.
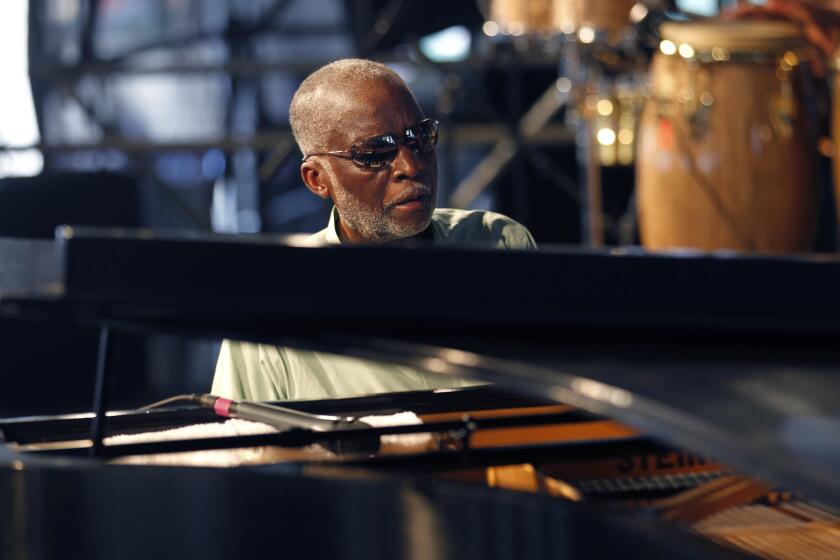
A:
(412, 201)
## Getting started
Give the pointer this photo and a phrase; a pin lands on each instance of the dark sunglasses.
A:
(382, 150)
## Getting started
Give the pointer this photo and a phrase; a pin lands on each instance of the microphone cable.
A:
(284, 419)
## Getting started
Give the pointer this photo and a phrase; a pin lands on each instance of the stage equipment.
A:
(381, 25)
(604, 82)
(725, 156)
(834, 68)
(562, 16)
(602, 68)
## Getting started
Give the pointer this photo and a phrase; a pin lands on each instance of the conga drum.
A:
(725, 160)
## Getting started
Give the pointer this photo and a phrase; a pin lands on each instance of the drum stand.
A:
(592, 215)
(587, 77)
(589, 166)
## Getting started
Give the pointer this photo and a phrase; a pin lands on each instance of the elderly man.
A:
(369, 149)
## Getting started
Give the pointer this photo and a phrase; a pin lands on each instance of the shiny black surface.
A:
(729, 355)
(74, 430)
(369, 507)
(49, 428)
(733, 356)
(87, 511)
(29, 268)
(769, 411)
(277, 284)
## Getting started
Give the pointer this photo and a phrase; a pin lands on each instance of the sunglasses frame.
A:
(353, 153)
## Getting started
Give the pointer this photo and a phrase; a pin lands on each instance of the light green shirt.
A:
(264, 372)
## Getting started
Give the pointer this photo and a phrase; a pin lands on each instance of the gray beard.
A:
(374, 226)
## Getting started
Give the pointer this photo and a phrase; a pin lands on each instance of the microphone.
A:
(287, 418)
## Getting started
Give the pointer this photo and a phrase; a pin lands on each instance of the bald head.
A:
(318, 105)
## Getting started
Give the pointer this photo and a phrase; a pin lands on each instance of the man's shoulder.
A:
(480, 228)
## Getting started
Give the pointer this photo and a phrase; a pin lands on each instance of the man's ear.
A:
(315, 179)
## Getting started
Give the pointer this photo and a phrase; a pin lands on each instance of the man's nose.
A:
(408, 164)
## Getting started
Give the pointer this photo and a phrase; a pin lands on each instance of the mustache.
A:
(410, 192)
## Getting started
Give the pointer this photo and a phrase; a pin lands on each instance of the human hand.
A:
(820, 24)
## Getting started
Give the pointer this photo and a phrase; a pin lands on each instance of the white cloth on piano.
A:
(258, 455)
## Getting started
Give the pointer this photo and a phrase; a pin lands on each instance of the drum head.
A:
(736, 36)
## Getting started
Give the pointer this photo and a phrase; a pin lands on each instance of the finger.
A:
(795, 13)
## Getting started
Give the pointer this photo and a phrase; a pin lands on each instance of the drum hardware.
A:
(587, 20)
(698, 118)
(783, 107)
(696, 108)
(671, 137)
(613, 112)
(602, 68)
(606, 98)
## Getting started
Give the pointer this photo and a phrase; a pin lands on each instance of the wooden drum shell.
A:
(555, 16)
(604, 15)
(533, 16)
(740, 182)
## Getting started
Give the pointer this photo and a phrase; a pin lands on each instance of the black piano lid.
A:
(263, 281)
(29, 268)
(730, 355)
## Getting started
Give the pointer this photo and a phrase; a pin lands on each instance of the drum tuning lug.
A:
(699, 120)
(664, 108)
(783, 113)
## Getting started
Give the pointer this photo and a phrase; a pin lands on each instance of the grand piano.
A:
(637, 405)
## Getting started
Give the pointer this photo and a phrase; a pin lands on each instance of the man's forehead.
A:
(373, 109)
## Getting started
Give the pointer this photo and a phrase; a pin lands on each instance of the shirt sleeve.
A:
(517, 236)
(248, 371)
(226, 381)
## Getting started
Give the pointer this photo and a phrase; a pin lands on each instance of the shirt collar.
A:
(332, 237)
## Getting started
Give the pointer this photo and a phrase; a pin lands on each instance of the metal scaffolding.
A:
(228, 67)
